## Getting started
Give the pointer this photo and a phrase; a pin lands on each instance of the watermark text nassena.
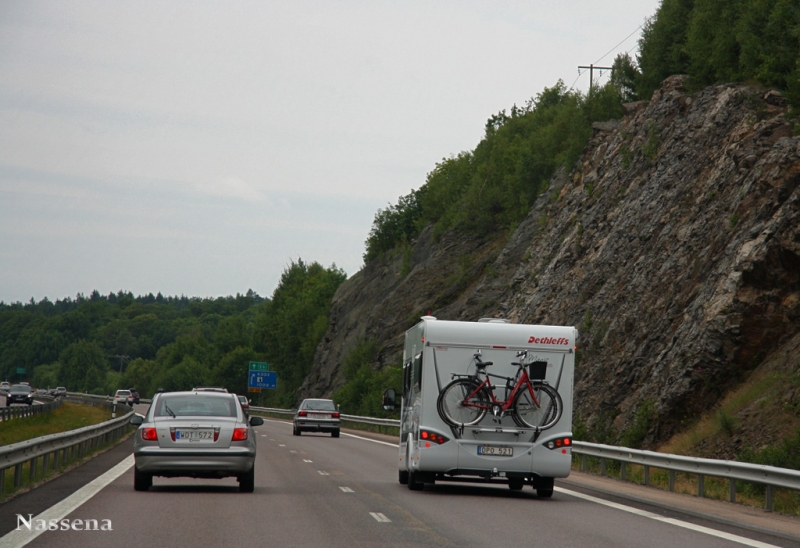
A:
(65, 524)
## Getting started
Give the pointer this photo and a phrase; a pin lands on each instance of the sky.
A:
(198, 148)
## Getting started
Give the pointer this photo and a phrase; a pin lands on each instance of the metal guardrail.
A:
(8, 413)
(733, 471)
(62, 447)
(383, 425)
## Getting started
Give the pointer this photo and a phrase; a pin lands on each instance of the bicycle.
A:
(530, 401)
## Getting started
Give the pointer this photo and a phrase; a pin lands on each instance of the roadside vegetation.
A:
(69, 416)
(101, 343)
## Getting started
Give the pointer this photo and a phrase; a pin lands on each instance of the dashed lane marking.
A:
(346, 489)
(306, 460)
(321, 473)
(380, 518)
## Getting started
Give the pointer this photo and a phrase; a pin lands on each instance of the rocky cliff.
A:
(674, 246)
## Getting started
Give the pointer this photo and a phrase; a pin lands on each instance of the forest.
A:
(101, 343)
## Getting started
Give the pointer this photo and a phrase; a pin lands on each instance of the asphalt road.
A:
(315, 490)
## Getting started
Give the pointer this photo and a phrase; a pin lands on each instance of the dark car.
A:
(317, 415)
(19, 393)
(134, 395)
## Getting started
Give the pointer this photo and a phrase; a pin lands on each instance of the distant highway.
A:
(314, 490)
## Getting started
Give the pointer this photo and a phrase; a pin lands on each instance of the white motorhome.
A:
(499, 447)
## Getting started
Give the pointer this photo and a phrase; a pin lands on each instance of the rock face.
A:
(674, 246)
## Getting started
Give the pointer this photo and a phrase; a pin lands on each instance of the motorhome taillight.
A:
(558, 443)
(149, 434)
(427, 435)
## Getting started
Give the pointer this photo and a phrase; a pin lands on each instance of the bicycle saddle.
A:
(482, 365)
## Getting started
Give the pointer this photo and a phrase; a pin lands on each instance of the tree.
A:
(83, 366)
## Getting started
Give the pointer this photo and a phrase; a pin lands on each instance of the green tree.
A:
(83, 366)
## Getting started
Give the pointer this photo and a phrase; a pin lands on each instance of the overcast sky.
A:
(197, 148)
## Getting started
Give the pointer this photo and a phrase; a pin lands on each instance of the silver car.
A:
(317, 415)
(196, 435)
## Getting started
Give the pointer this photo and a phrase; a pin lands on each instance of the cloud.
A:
(235, 188)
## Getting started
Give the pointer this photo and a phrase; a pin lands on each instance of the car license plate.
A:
(194, 435)
(496, 450)
(318, 416)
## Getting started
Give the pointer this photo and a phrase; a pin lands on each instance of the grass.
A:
(67, 417)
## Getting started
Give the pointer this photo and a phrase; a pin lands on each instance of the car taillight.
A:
(239, 434)
(150, 434)
(302, 414)
(429, 436)
(335, 415)
(559, 443)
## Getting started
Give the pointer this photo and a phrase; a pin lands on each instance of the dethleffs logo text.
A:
(32, 524)
(548, 340)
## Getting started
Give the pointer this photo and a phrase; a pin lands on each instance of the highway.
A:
(315, 490)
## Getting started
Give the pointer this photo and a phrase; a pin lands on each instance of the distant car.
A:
(4, 386)
(245, 404)
(210, 389)
(317, 415)
(123, 397)
(134, 396)
(197, 434)
(61, 391)
(19, 393)
(42, 392)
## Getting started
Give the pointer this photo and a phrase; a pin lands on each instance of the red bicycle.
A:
(529, 399)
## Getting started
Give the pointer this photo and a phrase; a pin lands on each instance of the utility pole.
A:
(591, 73)
(122, 360)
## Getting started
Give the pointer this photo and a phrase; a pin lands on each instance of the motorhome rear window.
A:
(418, 371)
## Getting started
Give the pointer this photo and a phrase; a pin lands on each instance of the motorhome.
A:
(502, 446)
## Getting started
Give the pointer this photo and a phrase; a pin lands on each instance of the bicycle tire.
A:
(543, 416)
(451, 407)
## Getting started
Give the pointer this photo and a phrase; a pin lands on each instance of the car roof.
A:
(203, 393)
(210, 389)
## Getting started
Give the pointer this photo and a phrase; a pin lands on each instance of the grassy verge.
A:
(67, 417)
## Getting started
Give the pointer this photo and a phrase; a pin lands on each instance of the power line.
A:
(592, 68)
(618, 45)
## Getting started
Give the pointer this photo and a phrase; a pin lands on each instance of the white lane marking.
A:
(292, 451)
(346, 490)
(281, 445)
(321, 473)
(306, 460)
(380, 518)
(272, 439)
(672, 521)
(369, 439)
(263, 435)
(17, 539)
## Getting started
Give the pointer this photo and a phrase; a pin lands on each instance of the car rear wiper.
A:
(168, 410)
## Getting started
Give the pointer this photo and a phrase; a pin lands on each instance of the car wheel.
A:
(335, 434)
(141, 482)
(515, 484)
(247, 482)
(296, 431)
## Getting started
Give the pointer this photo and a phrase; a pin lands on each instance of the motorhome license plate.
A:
(496, 450)
(194, 435)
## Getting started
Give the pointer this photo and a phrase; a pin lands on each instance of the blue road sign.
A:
(262, 379)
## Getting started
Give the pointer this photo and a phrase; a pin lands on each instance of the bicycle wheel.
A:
(542, 416)
(451, 403)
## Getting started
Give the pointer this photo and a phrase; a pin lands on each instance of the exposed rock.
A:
(678, 260)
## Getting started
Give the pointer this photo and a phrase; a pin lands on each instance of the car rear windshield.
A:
(123, 393)
(320, 405)
(195, 405)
